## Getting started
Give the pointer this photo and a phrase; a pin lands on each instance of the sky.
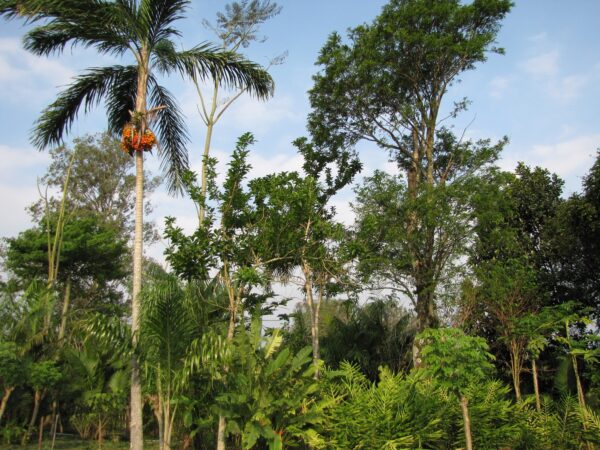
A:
(543, 94)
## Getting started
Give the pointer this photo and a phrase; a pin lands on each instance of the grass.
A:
(74, 443)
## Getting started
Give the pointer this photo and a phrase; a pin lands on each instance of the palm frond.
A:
(53, 37)
(205, 60)
(167, 327)
(156, 16)
(172, 135)
(120, 99)
(31, 10)
(70, 21)
(86, 90)
(112, 332)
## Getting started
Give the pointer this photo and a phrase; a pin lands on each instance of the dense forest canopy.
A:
(459, 308)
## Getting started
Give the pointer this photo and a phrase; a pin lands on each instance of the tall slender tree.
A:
(236, 27)
(145, 30)
(387, 85)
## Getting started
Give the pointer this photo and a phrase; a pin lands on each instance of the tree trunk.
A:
(64, 313)
(536, 387)
(136, 424)
(37, 399)
(313, 309)
(230, 332)
(155, 402)
(464, 406)
(580, 394)
(516, 367)
(101, 422)
(136, 433)
(188, 442)
(41, 433)
(5, 397)
(204, 181)
(54, 427)
(426, 318)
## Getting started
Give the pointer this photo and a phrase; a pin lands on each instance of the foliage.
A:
(43, 375)
(398, 412)
(101, 184)
(269, 391)
(11, 368)
(386, 86)
(90, 250)
(454, 359)
(378, 333)
(207, 365)
(574, 248)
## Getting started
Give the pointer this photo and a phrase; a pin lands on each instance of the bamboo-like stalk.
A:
(464, 406)
(536, 387)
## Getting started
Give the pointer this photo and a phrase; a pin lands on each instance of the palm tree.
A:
(143, 29)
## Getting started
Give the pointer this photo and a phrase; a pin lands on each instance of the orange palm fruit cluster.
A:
(131, 140)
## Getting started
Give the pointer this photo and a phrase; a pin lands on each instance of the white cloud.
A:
(499, 85)
(544, 65)
(18, 172)
(569, 87)
(259, 116)
(539, 37)
(343, 210)
(570, 159)
(16, 63)
(545, 70)
(246, 113)
(20, 158)
(14, 200)
(282, 162)
(567, 158)
(24, 75)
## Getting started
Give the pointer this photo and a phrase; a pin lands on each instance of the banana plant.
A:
(268, 391)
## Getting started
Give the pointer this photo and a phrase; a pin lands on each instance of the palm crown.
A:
(144, 29)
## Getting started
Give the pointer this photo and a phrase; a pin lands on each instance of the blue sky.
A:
(543, 94)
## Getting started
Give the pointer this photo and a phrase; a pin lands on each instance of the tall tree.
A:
(299, 231)
(236, 27)
(144, 29)
(573, 245)
(225, 243)
(101, 183)
(512, 259)
(387, 86)
(92, 261)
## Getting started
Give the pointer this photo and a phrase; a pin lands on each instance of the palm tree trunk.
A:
(37, 399)
(136, 433)
(464, 406)
(155, 402)
(221, 434)
(7, 392)
(536, 387)
(136, 403)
